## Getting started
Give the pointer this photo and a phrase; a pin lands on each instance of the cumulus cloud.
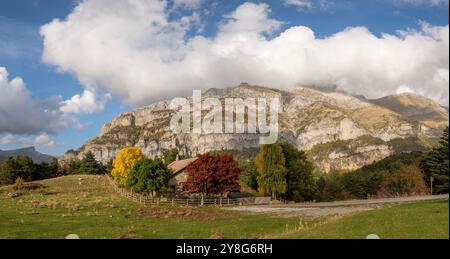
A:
(21, 113)
(132, 49)
(86, 103)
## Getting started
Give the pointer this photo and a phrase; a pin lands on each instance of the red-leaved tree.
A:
(213, 174)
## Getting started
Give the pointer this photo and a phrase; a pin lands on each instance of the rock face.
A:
(338, 131)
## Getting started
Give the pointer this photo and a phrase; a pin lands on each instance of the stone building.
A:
(180, 173)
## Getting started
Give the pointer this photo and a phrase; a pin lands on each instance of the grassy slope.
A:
(94, 210)
(415, 220)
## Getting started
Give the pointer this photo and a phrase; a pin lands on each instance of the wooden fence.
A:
(146, 200)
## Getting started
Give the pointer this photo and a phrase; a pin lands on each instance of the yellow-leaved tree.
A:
(124, 162)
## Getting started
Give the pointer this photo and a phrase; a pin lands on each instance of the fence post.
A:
(228, 201)
(221, 201)
(187, 202)
(157, 201)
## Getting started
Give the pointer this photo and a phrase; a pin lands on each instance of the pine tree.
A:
(436, 165)
(271, 166)
(301, 185)
(89, 165)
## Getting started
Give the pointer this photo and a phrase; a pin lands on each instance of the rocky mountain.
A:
(29, 152)
(338, 131)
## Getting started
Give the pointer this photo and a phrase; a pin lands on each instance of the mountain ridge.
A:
(338, 131)
(31, 152)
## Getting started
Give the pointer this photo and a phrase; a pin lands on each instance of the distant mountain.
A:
(415, 107)
(338, 131)
(29, 151)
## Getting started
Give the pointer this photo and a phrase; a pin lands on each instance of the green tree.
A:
(436, 165)
(331, 188)
(301, 185)
(13, 168)
(170, 155)
(73, 167)
(361, 184)
(89, 165)
(271, 166)
(109, 166)
(25, 167)
(249, 175)
(149, 176)
(46, 170)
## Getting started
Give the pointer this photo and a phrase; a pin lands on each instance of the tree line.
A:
(279, 170)
(210, 174)
(285, 173)
(24, 168)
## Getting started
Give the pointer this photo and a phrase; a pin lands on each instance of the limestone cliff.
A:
(339, 131)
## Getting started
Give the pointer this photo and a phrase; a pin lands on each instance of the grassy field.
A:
(93, 210)
(407, 221)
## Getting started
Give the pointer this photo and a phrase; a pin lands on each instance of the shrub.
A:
(408, 180)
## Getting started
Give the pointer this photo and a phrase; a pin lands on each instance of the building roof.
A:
(180, 165)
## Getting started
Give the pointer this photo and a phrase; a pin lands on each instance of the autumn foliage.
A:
(213, 174)
(123, 164)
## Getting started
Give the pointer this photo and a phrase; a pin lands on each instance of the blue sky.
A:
(22, 48)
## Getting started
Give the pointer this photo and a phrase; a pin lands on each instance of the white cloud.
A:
(21, 113)
(7, 140)
(132, 49)
(425, 2)
(301, 4)
(41, 140)
(44, 140)
(87, 103)
(188, 4)
(248, 20)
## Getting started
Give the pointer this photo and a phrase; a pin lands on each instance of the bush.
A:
(21, 185)
(407, 181)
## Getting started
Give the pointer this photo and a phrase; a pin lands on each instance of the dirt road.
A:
(333, 208)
